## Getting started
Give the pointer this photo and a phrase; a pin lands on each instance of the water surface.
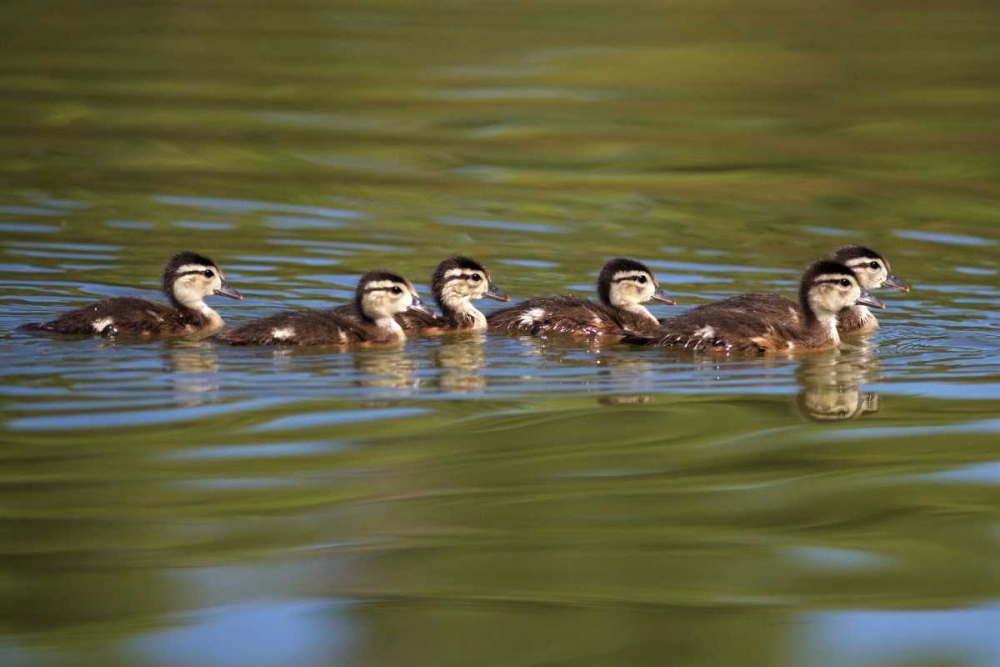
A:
(479, 499)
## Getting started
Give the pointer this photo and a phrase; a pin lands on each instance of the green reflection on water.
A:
(455, 502)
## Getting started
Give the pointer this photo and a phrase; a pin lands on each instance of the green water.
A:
(484, 500)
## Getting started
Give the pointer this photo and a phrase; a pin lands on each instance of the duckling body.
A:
(623, 286)
(871, 270)
(187, 279)
(312, 327)
(767, 323)
(456, 283)
(379, 297)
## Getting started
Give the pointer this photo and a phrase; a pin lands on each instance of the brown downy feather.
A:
(573, 315)
(308, 327)
(855, 319)
(454, 289)
(141, 317)
(751, 323)
(353, 326)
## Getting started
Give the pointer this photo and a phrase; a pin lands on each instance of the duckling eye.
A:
(475, 277)
(875, 265)
(844, 282)
(641, 280)
(209, 273)
(396, 290)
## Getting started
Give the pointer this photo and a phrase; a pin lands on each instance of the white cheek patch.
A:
(342, 336)
(102, 324)
(872, 278)
(286, 333)
(187, 293)
(532, 316)
(456, 295)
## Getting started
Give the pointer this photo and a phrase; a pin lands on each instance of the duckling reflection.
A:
(616, 400)
(193, 366)
(386, 368)
(461, 361)
(831, 385)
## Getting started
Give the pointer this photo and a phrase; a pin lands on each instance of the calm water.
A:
(476, 500)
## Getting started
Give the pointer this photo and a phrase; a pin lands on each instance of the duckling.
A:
(187, 279)
(873, 272)
(379, 297)
(826, 289)
(623, 286)
(456, 283)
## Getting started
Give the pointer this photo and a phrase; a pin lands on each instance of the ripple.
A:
(250, 206)
(111, 420)
(204, 225)
(28, 228)
(504, 225)
(946, 239)
(317, 420)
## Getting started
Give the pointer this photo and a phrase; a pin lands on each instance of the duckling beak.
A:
(892, 282)
(867, 299)
(494, 293)
(661, 296)
(418, 307)
(227, 290)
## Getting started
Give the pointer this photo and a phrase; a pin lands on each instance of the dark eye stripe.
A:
(190, 273)
(632, 277)
(461, 276)
(832, 281)
(368, 290)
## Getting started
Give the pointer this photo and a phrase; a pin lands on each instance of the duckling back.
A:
(306, 327)
(564, 315)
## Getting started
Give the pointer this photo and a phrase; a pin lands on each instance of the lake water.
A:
(485, 500)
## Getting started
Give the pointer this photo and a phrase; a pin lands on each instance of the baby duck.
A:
(873, 272)
(187, 279)
(456, 283)
(379, 297)
(623, 286)
(827, 288)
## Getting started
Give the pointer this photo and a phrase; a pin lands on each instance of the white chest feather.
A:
(390, 326)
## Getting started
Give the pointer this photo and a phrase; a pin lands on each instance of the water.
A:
(479, 499)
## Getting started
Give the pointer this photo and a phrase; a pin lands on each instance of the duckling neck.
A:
(390, 326)
(461, 311)
(823, 324)
(640, 310)
(198, 311)
(857, 318)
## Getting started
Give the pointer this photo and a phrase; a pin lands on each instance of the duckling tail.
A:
(36, 326)
(638, 339)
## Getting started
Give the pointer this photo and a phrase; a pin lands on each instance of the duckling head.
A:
(381, 295)
(829, 287)
(626, 283)
(870, 267)
(458, 281)
(189, 277)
